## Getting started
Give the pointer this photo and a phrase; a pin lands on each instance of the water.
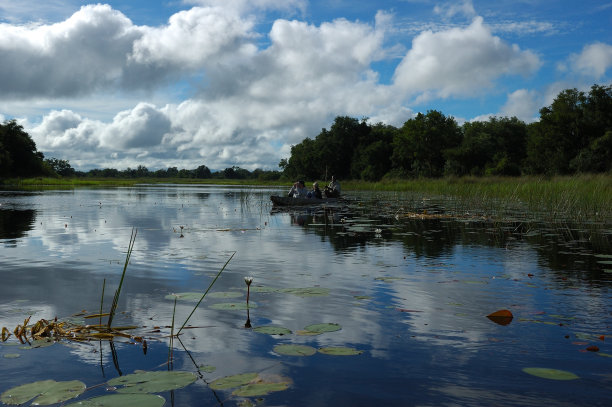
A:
(410, 292)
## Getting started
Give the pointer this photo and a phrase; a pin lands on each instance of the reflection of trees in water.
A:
(15, 223)
(563, 247)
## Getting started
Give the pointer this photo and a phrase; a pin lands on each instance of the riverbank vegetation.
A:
(501, 157)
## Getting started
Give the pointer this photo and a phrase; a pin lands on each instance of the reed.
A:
(206, 292)
(118, 291)
(583, 197)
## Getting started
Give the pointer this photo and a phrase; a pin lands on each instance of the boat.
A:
(290, 201)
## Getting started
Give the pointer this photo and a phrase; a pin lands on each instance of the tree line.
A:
(573, 135)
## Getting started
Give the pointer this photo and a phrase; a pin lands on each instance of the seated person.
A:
(315, 192)
(333, 189)
(298, 190)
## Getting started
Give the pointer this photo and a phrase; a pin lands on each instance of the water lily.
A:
(248, 280)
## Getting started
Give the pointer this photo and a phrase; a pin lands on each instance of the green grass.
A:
(583, 197)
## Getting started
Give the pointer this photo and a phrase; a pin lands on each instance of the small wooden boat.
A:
(290, 201)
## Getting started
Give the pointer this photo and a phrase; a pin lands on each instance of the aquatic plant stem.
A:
(206, 292)
(170, 349)
(102, 301)
(118, 291)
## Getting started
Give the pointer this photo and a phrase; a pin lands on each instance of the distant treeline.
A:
(573, 135)
(202, 172)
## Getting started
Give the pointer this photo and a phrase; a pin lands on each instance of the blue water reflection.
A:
(412, 293)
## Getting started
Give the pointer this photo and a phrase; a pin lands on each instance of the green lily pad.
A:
(340, 351)
(553, 374)
(190, 296)
(321, 328)
(233, 306)
(295, 350)
(226, 294)
(152, 382)
(229, 382)
(12, 355)
(261, 289)
(207, 368)
(123, 400)
(43, 392)
(362, 297)
(259, 389)
(272, 330)
(308, 291)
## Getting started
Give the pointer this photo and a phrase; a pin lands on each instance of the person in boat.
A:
(298, 190)
(315, 192)
(333, 189)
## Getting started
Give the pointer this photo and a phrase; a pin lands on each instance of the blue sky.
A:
(236, 82)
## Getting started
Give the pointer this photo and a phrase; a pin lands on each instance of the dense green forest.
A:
(573, 135)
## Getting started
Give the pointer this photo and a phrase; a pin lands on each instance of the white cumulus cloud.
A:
(460, 61)
(594, 60)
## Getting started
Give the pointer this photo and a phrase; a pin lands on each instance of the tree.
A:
(60, 167)
(202, 172)
(419, 148)
(372, 157)
(18, 154)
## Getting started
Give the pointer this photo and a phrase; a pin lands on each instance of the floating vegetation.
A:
(251, 384)
(123, 400)
(272, 330)
(294, 350)
(229, 382)
(318, 329)
(501, 317)
(152, 382)
(307, 292)
(43, 392)
(340, 351)
(552, 374)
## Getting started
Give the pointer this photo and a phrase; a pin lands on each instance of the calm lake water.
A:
(410, 295)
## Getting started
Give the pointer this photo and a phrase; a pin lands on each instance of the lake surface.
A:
(393, 281)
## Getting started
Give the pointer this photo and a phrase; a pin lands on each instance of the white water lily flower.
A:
(248, 280)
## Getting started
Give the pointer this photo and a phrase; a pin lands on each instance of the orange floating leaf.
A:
(593, 348)
(501, 317)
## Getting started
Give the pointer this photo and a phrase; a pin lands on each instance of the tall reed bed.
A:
(581, 198)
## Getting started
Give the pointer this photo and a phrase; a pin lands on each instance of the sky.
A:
(222, 83)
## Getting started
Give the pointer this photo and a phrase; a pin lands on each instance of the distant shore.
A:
(590, 195)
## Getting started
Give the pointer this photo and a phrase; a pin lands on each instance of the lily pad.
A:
(229, 382)
(43, 392)
(261, 289)
(207, 368)
(259, 389)
(123, 400)
(233, 306)
(272, 330)
(152, 382)
(553, 374)
(340, 351)
(12, 355)
(190, 296)
(308, 291)
(321, 328)
(226, 294)
(295, 350)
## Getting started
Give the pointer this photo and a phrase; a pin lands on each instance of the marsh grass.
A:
(580, 198)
